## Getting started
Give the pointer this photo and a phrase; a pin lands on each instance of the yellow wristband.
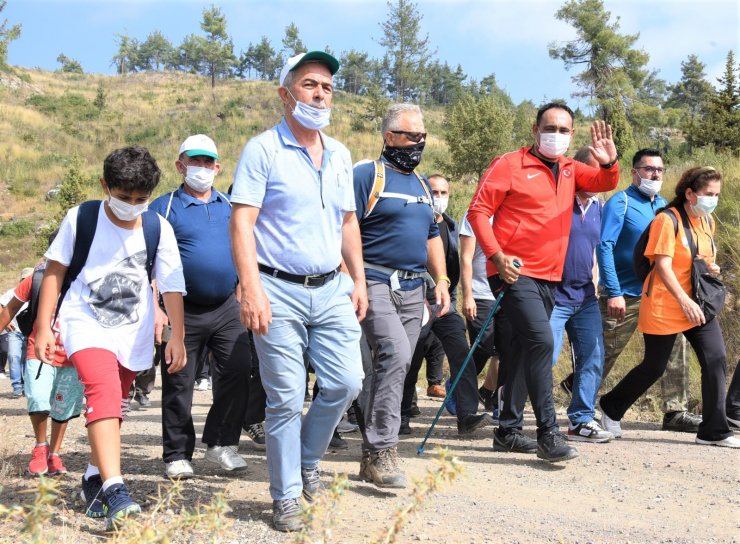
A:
(444, 278)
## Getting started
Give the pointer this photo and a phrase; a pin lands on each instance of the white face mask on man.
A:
(650, 187)
(440, 204)
(125, 211)
(199, 178)
(553, 144)
(310, 117)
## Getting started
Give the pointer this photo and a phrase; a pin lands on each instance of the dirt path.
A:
(650, 486)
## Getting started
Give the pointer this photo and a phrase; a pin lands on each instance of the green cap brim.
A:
(319, 56)
(199, 152)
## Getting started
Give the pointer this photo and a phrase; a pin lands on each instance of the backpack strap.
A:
(169, 205)
(152, 231)
(224, 197)
(675, 233)
(33, 303)
(87, 223)
(378, 193)
(378, 186)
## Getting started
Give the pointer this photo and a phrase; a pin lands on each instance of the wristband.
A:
(609, 164)
(444, 278)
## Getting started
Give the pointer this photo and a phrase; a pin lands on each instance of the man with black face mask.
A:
(400, 243)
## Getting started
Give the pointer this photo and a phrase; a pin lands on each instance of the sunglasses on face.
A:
(415, 137)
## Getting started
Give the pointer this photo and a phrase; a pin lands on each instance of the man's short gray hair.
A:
(390, 119)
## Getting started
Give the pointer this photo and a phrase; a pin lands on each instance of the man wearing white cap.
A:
(199, 215)
(293, 222)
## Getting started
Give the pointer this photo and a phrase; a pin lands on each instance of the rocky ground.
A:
(650, 486)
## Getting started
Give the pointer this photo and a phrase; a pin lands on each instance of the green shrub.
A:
(16, 229)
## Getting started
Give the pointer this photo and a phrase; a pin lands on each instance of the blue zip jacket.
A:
(625, 216)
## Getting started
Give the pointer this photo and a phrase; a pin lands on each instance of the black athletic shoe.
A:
(337, 442)
(468, 424)
(554, 447)
(682, 422)
(487, 398)
(405, 426)
(514, 441)
(567, 385)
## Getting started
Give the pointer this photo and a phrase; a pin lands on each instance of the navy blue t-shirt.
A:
(395, 234)
(202, 233)
(577, 283)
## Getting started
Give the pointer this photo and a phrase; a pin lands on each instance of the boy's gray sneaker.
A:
(227, 457)
(286, 515)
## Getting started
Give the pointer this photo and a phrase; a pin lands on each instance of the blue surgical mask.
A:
(310, 117)
(705, 204)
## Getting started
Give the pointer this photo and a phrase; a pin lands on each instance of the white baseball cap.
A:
(199, 144)
(302, 58)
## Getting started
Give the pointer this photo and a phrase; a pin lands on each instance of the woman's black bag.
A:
(709, 291)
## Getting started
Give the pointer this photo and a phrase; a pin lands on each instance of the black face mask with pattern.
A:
(404, 158)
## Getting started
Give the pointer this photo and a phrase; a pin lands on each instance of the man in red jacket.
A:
(530, 194)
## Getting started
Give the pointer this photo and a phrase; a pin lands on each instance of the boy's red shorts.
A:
(106, 382)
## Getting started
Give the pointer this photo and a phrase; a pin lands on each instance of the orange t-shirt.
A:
(660, 312)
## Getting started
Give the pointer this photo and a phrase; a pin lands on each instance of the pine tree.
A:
(407, 52)
(612, 67)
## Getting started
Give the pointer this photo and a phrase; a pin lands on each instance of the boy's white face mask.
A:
(125, 211)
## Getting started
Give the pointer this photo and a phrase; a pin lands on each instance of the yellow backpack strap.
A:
(424, 186)
(378, 186)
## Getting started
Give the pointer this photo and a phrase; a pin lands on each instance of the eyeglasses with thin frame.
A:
(651, 169)
(415, 137)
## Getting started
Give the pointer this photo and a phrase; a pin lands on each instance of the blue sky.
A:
(508, 38)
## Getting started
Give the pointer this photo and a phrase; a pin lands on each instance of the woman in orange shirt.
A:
(668, 308)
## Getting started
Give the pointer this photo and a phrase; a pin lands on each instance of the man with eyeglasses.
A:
(625, 216)
(400, 243)
(530, 194)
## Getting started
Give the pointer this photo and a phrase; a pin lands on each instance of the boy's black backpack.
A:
(87, 222)
(26, 318)
(641, 264)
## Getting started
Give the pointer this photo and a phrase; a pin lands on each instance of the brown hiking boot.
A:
(382, 468)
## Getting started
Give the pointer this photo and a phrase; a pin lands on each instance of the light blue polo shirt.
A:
(299, 227)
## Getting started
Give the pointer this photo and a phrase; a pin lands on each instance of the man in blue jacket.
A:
(625, 216)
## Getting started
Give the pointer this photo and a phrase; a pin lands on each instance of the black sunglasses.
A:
(415, 137)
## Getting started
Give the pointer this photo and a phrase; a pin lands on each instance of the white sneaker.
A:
(202, 385)
(180, 469)
(226, 456)
(609, 425)
(3, 376)
(729, 442)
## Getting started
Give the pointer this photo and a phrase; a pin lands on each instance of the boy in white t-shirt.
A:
(107, 321)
